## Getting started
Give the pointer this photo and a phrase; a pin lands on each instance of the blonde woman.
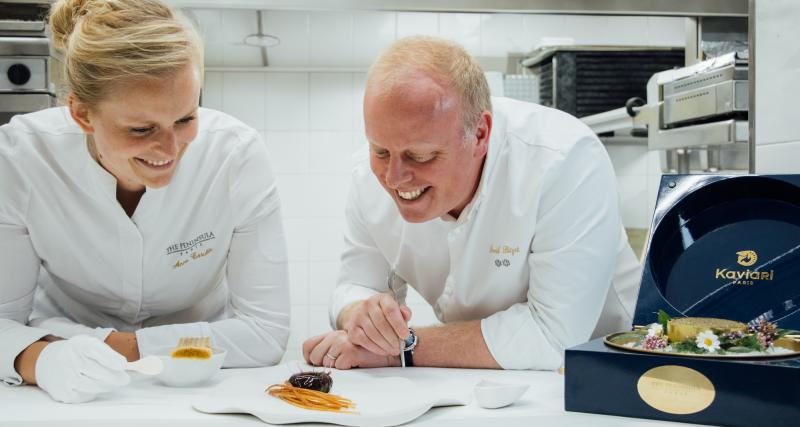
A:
(132, 217)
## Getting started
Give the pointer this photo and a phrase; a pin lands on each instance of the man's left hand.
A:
(334, 350)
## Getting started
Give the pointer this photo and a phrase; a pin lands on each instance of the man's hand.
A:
(377, 324)
(335, 350)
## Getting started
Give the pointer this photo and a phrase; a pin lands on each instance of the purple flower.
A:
(654, 342)
(733, 336)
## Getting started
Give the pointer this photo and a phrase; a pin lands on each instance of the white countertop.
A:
(145, 401)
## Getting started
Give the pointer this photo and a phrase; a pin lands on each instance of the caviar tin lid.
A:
(725, 247)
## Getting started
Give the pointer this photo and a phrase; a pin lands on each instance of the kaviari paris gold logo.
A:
(745, 258)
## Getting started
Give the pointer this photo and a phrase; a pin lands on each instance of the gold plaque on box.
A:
(676, 389)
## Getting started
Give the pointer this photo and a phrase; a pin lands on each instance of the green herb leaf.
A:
(663, 319)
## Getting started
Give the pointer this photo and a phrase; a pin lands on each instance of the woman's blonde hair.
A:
(110, 42)
(444, 59)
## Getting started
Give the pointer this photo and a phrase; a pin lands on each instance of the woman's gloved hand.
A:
(78, 369)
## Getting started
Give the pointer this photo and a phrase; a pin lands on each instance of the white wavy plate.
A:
(380, 401)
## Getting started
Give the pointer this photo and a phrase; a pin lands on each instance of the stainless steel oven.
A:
(27, 67)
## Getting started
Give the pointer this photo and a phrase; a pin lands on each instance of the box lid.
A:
(725, 247)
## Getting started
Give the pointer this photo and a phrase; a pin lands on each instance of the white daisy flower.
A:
(655, 329)
(708, 341)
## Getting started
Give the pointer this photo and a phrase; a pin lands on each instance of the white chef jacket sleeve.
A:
(571, 261)
(363, 268)
(257, 271)
(19, 266)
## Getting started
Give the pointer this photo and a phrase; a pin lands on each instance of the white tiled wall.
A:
(311, 120)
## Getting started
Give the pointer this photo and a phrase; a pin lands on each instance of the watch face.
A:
(411, 339)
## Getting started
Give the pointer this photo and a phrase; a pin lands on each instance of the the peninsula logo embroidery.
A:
(191, 249)
(748, 277)
(747, 258)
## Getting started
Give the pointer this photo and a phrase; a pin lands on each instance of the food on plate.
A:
(193, 348)
(683, 328)
(705, 336)
(312, 380)
(310, 390)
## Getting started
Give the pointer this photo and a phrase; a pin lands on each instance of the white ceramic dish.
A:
(380, 401)
(492, 395)
(188, 372)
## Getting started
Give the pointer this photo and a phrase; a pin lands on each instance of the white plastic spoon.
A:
(150, 365)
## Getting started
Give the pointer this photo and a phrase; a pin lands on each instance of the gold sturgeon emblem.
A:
(747, 258)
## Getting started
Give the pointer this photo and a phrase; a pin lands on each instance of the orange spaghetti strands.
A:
(311, 399)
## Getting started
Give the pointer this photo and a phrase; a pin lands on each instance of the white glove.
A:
(78, 369)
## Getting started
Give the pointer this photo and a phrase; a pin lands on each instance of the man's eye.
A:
(422, 158)
(186, 120)
(381, 154)
(141, 131)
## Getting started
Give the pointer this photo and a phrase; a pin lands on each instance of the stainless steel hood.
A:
(690, 8)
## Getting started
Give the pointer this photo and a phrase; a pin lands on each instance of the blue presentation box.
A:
(719, 246)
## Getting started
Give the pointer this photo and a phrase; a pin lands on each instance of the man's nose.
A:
(397, 173)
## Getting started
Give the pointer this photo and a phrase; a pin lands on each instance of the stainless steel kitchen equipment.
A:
(701, 106)
(586, 80)
(27, 69)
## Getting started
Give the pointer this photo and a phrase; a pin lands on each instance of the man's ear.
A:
(482, 133)
(80, 113)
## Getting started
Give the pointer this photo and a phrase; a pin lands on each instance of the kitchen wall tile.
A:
(287, 103)
(372, 32)
(331, 101)
(214, 54)
(237, 24)
(633, 201)
(778, 158)
(298, 331)
(298, 282)
(208, 23)
(628, 159)
(359, 86)
(332, 151)
(326, 238)
(212, 90)
(502, 33)
(417, 23)
(622, 31)
(241, 55)
(297, 238)
(666, 31)
(292, 28)
(318, 320)
(244, 97)
(327, 194)
(538, 27)
(331, 35)
(293, 189)
(289, 151)
(321, 281)
(463, 28)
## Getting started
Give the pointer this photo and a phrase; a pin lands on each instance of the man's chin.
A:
(415, 216)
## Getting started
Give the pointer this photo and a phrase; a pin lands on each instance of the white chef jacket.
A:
(202, 256)
(539, 254)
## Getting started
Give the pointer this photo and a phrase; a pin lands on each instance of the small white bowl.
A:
(188, 372)
(492, 395)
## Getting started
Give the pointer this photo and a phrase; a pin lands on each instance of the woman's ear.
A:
(80, 113)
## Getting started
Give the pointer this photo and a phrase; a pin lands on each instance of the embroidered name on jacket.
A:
(190, 245)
